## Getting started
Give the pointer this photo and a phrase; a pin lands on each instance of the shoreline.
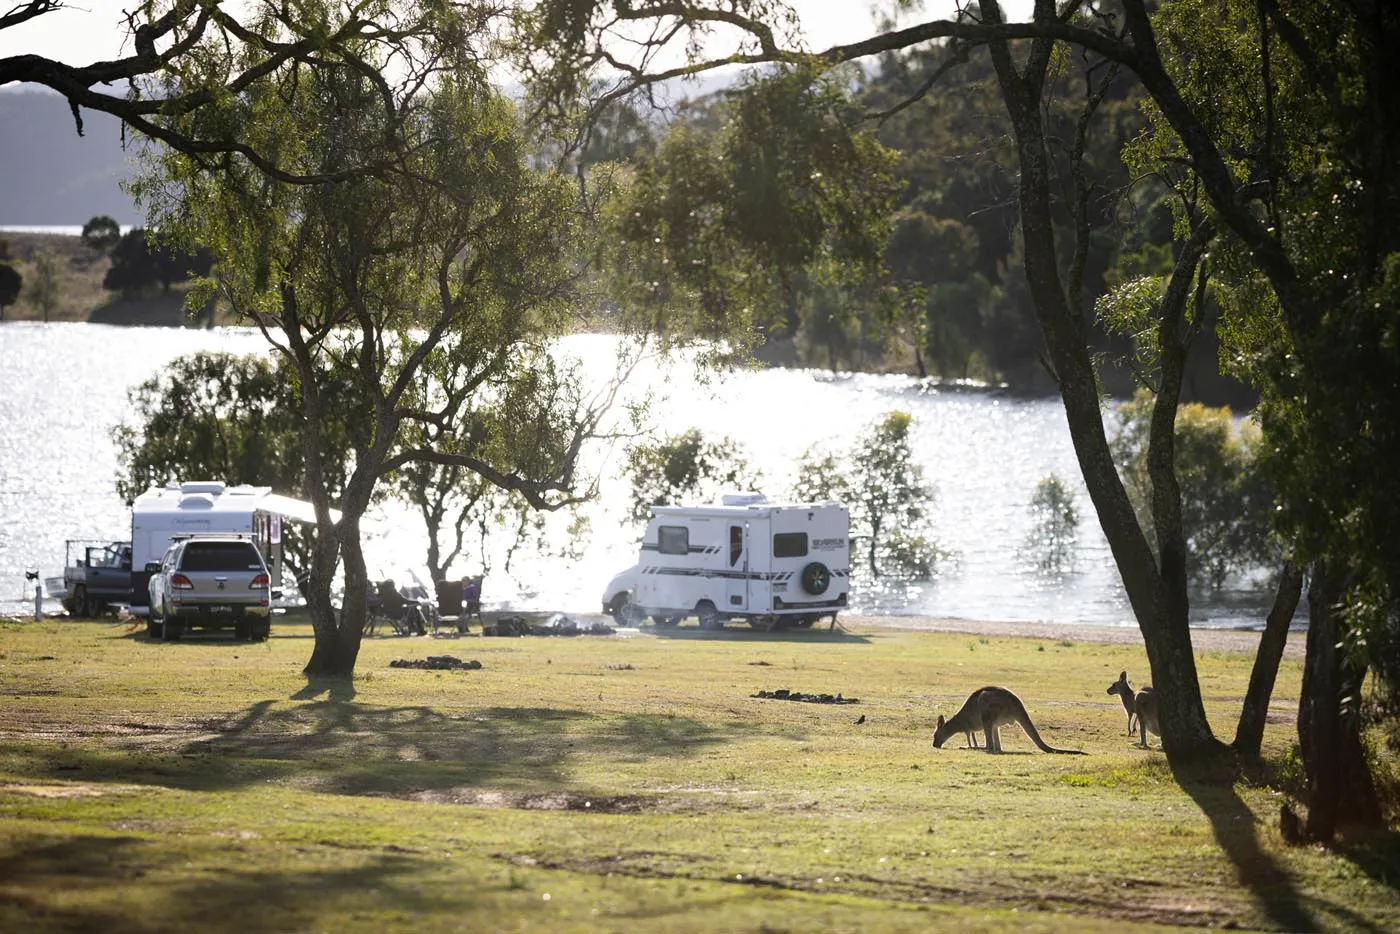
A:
(1203, 639)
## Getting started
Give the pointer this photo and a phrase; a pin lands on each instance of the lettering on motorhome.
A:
(828, 544)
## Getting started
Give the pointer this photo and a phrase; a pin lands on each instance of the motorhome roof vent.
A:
(196, 501)
(744, 499)
(203, 486)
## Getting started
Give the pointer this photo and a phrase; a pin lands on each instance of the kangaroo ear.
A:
(940, 721)
(1122, 676)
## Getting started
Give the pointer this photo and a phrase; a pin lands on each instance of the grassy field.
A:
(630, 782)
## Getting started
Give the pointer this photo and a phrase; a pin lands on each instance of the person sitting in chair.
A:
(407, 614)
(471, 597)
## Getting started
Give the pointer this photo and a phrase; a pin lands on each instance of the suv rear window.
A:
(220, 556)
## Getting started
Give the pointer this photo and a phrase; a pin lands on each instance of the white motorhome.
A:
(773, 565)
(162, 514)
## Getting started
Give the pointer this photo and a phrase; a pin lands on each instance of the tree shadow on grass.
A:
(1375, 854)
(125, 884)
(346, 748)
(1237, 832)
(337, 690)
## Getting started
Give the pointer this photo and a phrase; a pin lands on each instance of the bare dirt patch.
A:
(1156, 908)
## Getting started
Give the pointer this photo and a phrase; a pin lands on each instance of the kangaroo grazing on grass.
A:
(1141, 707)
(989, 709)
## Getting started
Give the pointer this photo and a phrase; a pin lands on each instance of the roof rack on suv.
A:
(182, 536)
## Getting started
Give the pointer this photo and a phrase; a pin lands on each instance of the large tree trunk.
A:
(338, 635)
(1249, 734)
(1161, 613)
(1340, 788)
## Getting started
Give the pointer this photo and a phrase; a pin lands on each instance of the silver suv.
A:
(210, 582)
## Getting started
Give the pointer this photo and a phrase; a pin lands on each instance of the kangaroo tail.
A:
(1034, 734)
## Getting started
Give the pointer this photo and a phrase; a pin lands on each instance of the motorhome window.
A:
(673, 540)
(736, 544)
(220, 556)
(790, 545)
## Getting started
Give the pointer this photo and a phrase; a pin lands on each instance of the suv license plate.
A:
(221, 609)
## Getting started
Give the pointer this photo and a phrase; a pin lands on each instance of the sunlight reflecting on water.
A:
(66, 387)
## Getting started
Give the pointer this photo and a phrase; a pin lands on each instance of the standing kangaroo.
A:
(1141, 707)
(989, 709)
(1125, 693)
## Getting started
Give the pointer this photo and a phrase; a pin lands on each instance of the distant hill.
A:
(49, 175)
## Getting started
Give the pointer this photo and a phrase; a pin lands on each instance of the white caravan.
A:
(769, 564)
(162, 514)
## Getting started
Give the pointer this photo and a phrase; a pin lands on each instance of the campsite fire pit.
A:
(785, 694)
(437, 663)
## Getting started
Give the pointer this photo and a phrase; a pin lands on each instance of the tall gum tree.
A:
(426, 293)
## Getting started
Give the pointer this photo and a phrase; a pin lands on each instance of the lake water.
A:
(57, 230)
(65, 386)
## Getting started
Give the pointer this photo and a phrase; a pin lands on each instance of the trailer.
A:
(772, 565)
(178, 510)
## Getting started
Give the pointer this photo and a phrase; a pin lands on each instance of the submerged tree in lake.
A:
(686, 469)
(885, 489)
(1054, 526)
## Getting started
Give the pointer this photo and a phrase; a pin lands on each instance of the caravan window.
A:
(790, 545)
(673, 540)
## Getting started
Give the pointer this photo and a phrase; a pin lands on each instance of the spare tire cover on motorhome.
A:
(816, 578)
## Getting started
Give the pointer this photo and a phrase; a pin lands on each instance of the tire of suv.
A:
(242, 630)
(173, 630)
(261, 631)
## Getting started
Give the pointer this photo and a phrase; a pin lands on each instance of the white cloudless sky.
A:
(95, 30)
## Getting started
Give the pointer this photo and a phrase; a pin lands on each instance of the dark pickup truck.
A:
(98, 579)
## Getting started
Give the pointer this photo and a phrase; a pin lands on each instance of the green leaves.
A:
(217, 416)
(886, 492)
(686, 469)
(720, 225)
(1054, 525)
(1226, 507)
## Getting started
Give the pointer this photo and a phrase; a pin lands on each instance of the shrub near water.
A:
(625, 783)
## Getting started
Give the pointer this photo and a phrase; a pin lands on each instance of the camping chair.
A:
(406, 615)
(374, 609)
